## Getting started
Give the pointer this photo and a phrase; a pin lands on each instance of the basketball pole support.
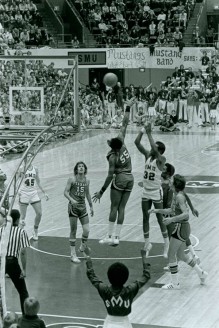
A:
(76, 109)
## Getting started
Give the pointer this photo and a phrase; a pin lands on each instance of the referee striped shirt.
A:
(18, 239)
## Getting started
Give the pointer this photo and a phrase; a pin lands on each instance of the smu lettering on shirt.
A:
(78, 190)
(152, 175)
(123, 162)
(118, 302)
(29, 182)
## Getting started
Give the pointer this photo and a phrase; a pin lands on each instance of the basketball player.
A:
(166, 178)
(117, 298)
(180, 233)
(120, 174)
(152, 191)
(76, 190)
(28, 193)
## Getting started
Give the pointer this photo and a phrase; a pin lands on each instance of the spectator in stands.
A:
(177, 36)
(183, 18)
(135, 34)
(111, 103)
(117, 119)
(176, 74)
(160, 26)
(113, 10)
(161, 16)
(140, 116)
(162, 98)
(210, 36)
(95, 86)
(75, 42)
(183, 94)
(105, 11)
(152, 28)
(161, 38)
(146, 6)
(168, 125)
(190, 74)
(24, 36)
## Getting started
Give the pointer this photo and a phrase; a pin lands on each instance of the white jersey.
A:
(29, 181)
(152, 175)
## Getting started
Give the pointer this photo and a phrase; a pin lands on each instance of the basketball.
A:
(110, 79)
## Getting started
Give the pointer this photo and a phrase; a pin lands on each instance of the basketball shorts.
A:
(29, 197)
(117, 322)
(181, 231)
(123, 182)
(78, 211)
(152, 194)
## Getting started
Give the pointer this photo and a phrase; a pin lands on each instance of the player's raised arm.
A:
(138, 144)
(155, 147)
(125, 120)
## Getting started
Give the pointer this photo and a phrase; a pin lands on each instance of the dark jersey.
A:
(123, 161)
(78, 190)
(118, 302)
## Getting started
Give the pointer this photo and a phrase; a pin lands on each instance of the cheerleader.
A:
(213, 113)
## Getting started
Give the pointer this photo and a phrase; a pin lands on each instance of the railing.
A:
(78, 21)
(55, 18)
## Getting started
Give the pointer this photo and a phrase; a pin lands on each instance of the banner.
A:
(168, 57)
(122, 58)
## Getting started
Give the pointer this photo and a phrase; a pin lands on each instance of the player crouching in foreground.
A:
(117, 297)
(180, 233)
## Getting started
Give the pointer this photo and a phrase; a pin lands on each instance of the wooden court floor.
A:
(67, 298)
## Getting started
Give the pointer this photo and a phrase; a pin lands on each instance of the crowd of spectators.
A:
(21, 25)
(184, 92)
(136, 23)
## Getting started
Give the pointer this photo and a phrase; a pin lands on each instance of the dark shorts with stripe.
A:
(77, 211)
(181, 231)
(123, 181)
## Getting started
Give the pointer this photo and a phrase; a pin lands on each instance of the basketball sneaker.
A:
(147, 248)
(115, 242)
(171, 286)
(167, 268)
(107, 240)
(75, 259)
(35, 235)
(203, 277)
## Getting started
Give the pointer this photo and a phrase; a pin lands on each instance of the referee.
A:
(18, 241)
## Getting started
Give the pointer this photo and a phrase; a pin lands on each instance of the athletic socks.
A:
(110, 228)
(118, 230)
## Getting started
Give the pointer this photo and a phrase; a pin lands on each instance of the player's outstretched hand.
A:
(153, 210)
(148, 128)
(97, 195)
(167, 220)
(195, 212)
(146, 265)
(46, 196)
